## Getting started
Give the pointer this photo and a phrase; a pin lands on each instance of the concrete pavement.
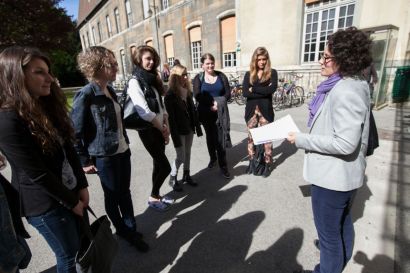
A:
(255, 224)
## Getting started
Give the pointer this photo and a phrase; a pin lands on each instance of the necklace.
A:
(210, 78)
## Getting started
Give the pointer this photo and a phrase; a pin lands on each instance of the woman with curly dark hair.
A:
(37, 137)
(336, 146)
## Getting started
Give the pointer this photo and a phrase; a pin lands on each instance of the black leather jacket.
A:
(35, 175)
(183, 118)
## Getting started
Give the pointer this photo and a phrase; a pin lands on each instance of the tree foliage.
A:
(45, 25)
(40, 23)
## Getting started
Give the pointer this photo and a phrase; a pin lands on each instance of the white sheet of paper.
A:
(274, 131)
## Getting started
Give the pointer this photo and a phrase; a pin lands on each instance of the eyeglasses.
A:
(326, 58)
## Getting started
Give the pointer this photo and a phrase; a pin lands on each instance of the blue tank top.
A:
(215, 89)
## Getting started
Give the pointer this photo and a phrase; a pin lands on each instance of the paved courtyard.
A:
(255, 224)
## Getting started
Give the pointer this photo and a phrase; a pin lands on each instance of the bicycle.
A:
(236, 90)
(288, 94)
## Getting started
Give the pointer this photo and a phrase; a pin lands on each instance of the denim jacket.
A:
(95, 123)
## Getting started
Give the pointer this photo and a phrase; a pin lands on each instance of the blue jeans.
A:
(331, 211)
(115, 175)
(60, 228)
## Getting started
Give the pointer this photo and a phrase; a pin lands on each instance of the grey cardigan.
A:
(336, 147)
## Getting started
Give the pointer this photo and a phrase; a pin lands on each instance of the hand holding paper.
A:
(274, 131)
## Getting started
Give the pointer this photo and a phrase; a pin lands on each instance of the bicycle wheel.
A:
(299, 95)
(277, 99)
(240, 99)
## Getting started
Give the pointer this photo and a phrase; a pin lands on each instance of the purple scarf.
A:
(322, 89)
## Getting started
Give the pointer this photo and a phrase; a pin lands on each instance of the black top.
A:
(206, 100)
(35, 175)
(260, 96)
(182, 117)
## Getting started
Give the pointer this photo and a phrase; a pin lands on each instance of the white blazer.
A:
(336, 146)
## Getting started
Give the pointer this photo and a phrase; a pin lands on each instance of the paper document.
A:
(274, 131)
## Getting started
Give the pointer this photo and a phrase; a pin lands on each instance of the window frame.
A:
(93, 34)
(128, 13)
(164, 4)
(317, 26)
(196, 53)
(109, 27)
(232, 60)
(99, 31)
(117, 19)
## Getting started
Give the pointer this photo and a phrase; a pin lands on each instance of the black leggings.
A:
(155, 144)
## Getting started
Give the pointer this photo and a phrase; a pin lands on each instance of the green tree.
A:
(45, 25)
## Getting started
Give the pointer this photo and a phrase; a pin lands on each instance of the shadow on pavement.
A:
(224, 247)
(197, 209)
(379, 264)
(400, 174)
(50, 270)
(359, 203)
(282, 152)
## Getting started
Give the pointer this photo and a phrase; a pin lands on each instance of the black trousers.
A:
(213, 141)
(155, 144)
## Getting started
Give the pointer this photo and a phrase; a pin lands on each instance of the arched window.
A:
(169, 49)
(228, 39)
(196, 46)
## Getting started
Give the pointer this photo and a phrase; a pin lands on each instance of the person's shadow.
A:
(223, 249)
(359, 203)
(379, 264)
(282, 152)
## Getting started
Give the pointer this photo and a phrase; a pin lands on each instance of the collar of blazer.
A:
(318, 112)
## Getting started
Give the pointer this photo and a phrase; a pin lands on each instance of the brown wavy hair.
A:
(137, 60)
(176, 78)
(266, 75)
(46, 117)
(351, 51)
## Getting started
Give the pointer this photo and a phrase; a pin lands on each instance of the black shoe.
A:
(266, 170)
(259, 169)
(211, 164)
(173, 181)
(188, 179)
(316, 243)
(251, 167)
(225, 172)
(303, 271)
(134, 239)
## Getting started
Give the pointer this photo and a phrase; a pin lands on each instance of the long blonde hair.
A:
(266, 75)
(177, 78)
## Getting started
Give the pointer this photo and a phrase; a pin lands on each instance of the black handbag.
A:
(132, 119)
(373, 140)
(98, 246)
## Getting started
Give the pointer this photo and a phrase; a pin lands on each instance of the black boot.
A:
(251, 167)
(188, 179)
(173, 181)
(266, 170)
